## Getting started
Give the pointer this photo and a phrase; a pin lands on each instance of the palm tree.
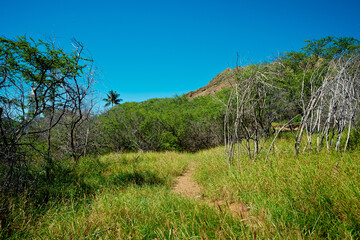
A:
(112, 98)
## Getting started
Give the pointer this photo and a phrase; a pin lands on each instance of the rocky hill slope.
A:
(220, 81)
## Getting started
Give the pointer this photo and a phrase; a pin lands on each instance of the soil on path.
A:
(187, 187)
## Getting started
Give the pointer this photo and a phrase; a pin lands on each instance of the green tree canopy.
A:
(331, 47)
(40, 84)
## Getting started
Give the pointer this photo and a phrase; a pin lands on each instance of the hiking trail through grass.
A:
(187, 187)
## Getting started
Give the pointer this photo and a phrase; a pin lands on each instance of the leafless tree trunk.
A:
(247, 122)
(332, 106)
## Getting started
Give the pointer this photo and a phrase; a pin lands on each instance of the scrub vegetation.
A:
(280, 141)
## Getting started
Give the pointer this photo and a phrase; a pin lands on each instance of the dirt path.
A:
(187, 187)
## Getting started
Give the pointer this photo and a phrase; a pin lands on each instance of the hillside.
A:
(220, 81)
(204, 165)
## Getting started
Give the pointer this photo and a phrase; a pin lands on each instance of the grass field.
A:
(129, 196)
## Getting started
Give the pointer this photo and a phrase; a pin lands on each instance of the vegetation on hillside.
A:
(68, 173)
(164, 124)
(318, 88)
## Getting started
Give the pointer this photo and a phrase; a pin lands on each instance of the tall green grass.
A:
(116, 196)
(120, 196)
(136, 213)
(313, 195)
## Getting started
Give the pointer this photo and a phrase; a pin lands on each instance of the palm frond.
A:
(112, 98)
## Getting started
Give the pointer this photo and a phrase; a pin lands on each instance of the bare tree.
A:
(333, 107)
(247, 122)
(78, 91)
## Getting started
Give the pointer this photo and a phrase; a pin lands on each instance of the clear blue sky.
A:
(147, 49)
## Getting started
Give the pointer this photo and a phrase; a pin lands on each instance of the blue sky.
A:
(147, 49)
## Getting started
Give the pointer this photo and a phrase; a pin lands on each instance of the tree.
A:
(39, 85)
(112, 98)
(333, 107)
(248, 118)
(332, 47)
(296, 70)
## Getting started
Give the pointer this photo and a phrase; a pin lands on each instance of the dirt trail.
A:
(187, 187)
